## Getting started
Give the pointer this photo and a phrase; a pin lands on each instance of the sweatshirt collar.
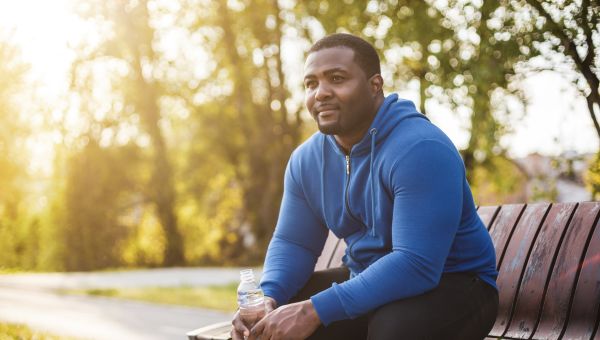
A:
(384, 122)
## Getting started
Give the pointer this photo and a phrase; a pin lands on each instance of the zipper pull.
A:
(347, 164)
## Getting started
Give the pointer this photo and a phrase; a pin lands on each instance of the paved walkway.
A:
(163, 277)
(33, 299)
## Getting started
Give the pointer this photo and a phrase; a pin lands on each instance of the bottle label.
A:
(250, 298)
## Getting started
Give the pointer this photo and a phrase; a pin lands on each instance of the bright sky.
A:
(557, 118)
(42, 29)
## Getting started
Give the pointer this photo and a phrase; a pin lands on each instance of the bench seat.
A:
(548, 258)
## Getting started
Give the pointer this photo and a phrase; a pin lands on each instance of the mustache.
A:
(325, 107)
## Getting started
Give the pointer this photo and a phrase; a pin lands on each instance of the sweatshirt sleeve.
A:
(427, 189)
(296, 244)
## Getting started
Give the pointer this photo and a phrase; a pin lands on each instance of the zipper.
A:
(347, 200)
(347, 203)
(347, 169)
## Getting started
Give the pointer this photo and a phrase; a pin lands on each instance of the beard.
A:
(329, 129)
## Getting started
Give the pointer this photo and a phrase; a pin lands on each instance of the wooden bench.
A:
(548, 258)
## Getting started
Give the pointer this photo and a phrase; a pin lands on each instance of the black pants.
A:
(461, 307)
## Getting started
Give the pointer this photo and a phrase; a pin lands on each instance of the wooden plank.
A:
(217, 331)
(517, 252)
(487, 214)
(328, 251)
(562, 280)
(336, 260)
(584, 310)
(537, 271)
(502, 227)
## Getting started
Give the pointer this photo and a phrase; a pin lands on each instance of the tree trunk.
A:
(162, 186)
(269, 135)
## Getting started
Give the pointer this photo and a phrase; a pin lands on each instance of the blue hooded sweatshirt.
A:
(401, 202)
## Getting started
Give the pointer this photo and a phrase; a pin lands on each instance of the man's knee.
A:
(321, 280)
(461, 304)
(399, 320)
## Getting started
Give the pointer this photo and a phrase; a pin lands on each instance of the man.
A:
(419, 264)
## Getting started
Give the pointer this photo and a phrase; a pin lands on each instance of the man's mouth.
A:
(327, 110)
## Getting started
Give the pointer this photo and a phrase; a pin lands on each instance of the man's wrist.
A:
(310, 312)
(271, 303)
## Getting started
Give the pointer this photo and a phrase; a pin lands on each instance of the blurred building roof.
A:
(558, 179)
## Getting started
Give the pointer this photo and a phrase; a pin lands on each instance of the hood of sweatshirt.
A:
(392, 112)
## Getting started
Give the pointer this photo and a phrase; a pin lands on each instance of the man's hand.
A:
(241, 331)
(294, 321)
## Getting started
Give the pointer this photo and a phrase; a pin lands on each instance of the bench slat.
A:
(503, 226)
(328, 250)
(584, 310)
(562, 280)
(487, 215)
(517, 252)
(336, 260)
(537, 270)
(217, 331)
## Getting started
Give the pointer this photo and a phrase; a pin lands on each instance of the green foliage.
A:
(592, 177)
(213, 228)
(145, 246)
(100, 197)
(505, 184)
(19, 231)
(128, 51)
(213, 297)
(172, 141)
(9, 331)
(246, 130)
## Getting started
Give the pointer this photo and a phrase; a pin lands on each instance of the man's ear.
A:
(376, 83)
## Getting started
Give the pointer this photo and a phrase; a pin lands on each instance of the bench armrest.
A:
(216, 331)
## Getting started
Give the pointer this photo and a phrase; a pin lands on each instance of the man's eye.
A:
(310, 84)
(337, 78)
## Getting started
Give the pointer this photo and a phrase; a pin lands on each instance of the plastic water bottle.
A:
(251, 299)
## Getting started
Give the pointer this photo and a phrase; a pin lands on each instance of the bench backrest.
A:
(548, 258)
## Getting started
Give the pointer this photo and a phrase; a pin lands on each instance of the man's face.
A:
(337, 92)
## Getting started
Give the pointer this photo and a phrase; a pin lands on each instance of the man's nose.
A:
(323, 92)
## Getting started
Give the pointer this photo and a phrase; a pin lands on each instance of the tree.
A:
(592, 177)
(99, 193)
(567, 28)
(250, 123)
(489, 73)
(13, 162)
(131, 44)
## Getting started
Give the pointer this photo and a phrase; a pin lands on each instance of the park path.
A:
(35, 300)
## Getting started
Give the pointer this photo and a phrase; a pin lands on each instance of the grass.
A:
(213, 297)
(10, 331)
(6, 271)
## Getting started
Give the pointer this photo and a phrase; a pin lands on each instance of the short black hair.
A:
(364, 53)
